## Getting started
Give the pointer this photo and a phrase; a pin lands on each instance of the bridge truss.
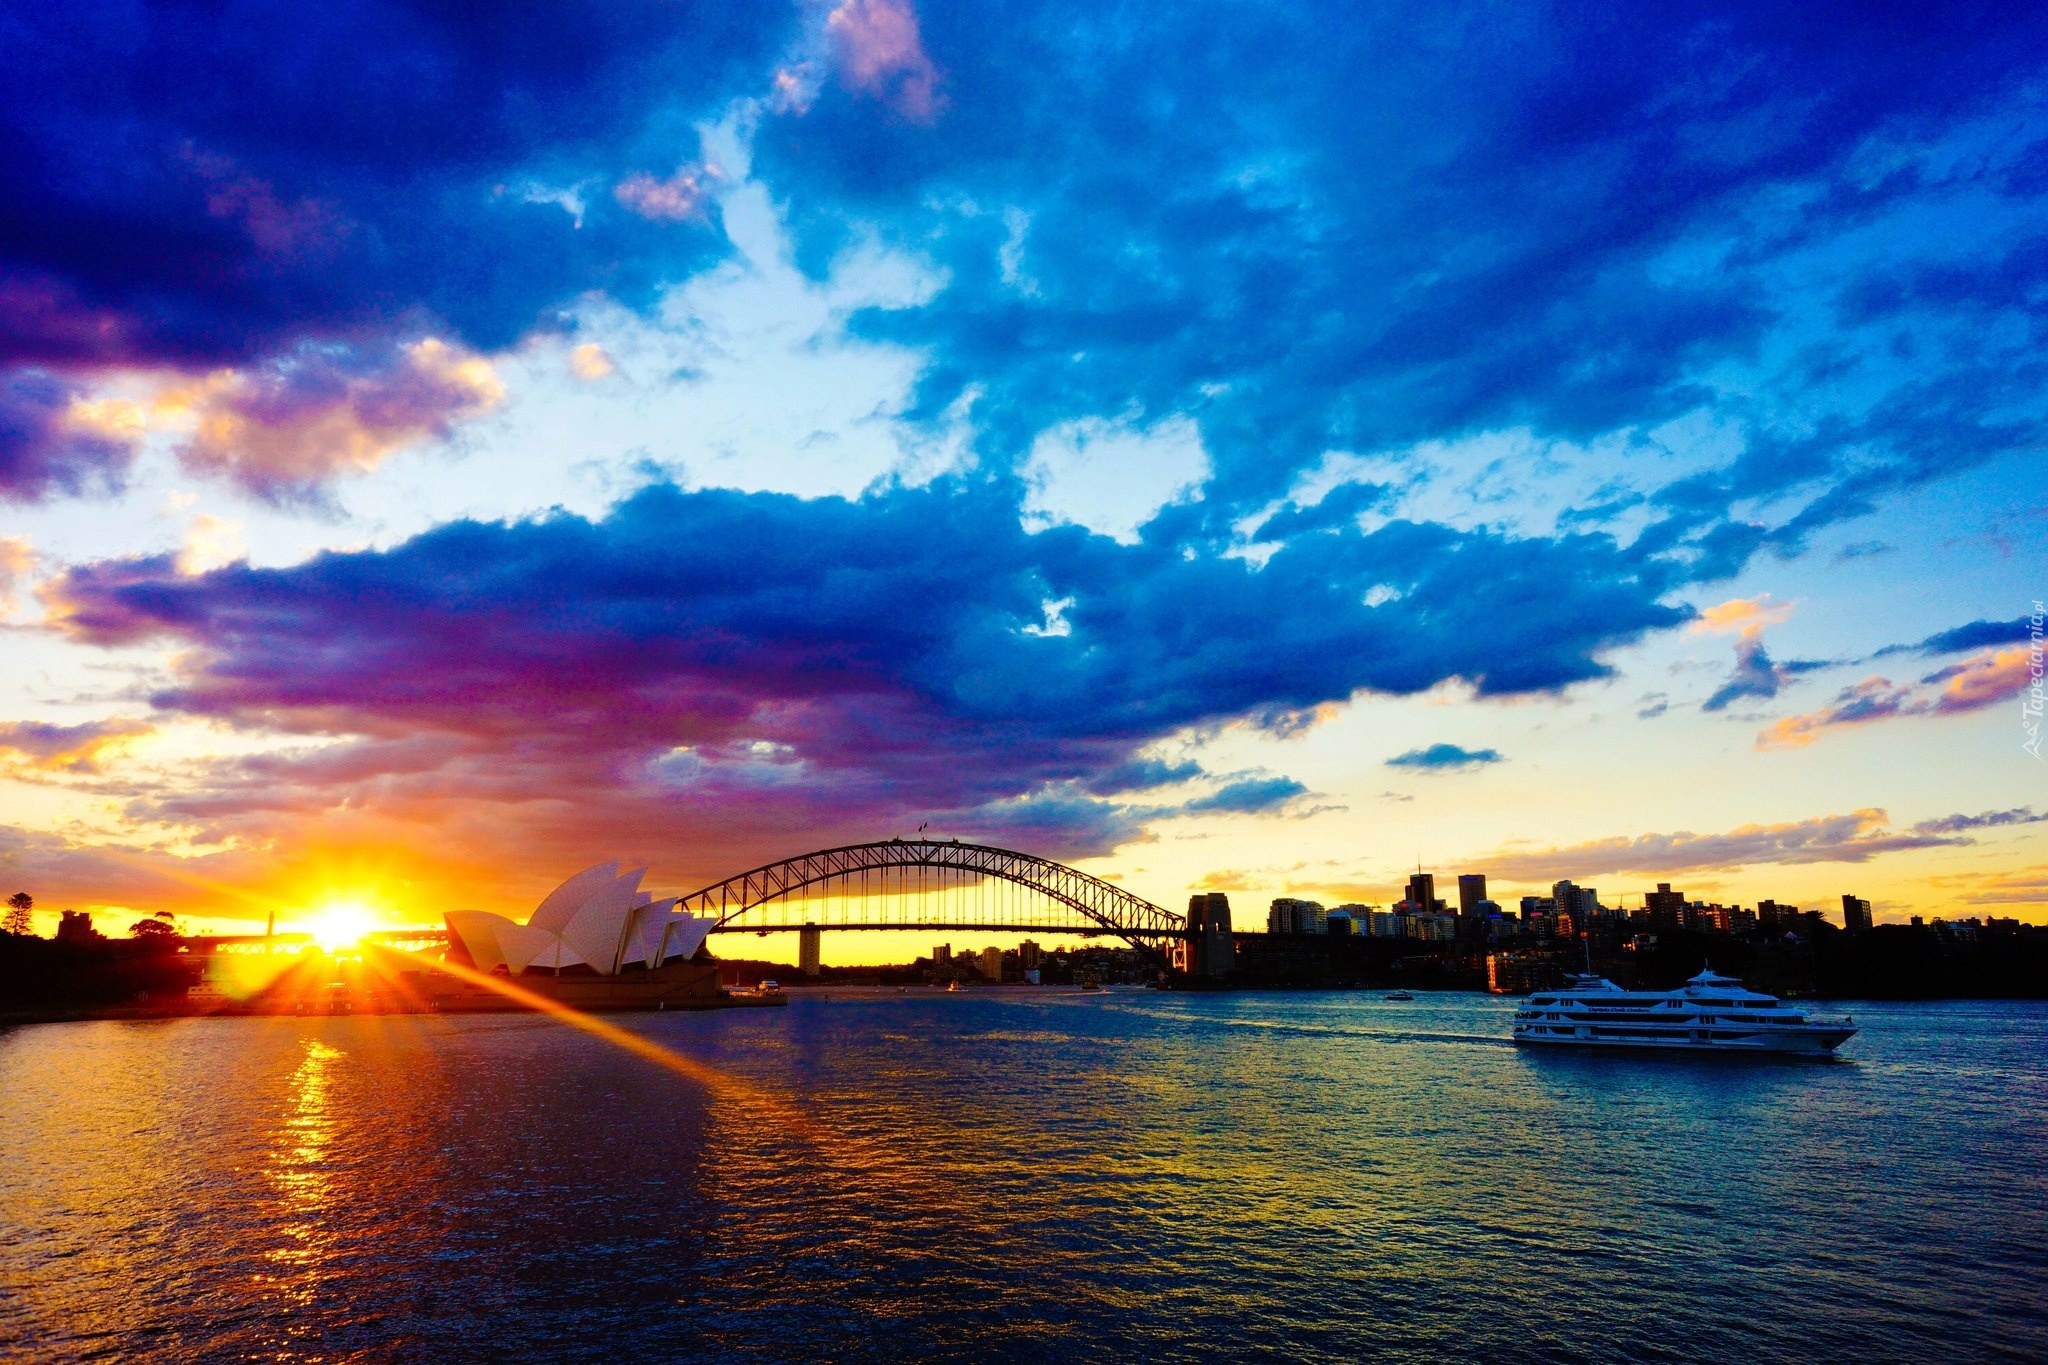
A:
(929, 884)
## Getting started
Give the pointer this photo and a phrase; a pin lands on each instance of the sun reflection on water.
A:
(299, 1171)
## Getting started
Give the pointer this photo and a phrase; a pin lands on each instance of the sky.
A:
(1246, 448)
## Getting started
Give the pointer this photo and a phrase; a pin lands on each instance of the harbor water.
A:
(1019, 1175)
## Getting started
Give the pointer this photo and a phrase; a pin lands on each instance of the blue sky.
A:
(1231, 448)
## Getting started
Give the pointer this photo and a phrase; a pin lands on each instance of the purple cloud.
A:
(737, 665)
(50, 445)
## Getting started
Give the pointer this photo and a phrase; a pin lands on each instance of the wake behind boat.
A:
(1709, 1013)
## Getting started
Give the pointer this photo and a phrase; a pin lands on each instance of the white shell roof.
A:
(563, 902)
(598, 917)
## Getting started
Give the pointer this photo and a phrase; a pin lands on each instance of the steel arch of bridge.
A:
(1100, 905)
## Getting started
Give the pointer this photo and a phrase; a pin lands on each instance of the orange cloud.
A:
(1975, 683)
(590, 361)
(1744, 614)
(1983, 679)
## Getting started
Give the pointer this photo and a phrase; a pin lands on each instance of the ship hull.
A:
(1779, 1043)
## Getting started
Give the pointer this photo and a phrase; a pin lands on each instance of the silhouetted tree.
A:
(155, 929)
(18, 921)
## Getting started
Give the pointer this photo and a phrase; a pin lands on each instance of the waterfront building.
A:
(1433, 928)
(1359, 917)
(1340, 924)
(1855, 913)
(1520, 973)
(990, 963)
(1387, 923)
(1209, 952)
(1289, 915)
(1029, 955)
(809, 958)
(942, 954)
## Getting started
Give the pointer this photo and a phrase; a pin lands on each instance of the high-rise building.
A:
(1029, 955)
(808, 958)
(1582, 903)
(1211, 953)
(942, 954)
(1422, 890)
(1471, 891)
(1666, 907)
(1291, 915)
(990, 961)
(1855, 913)
(1295, 915)
(1775, 916)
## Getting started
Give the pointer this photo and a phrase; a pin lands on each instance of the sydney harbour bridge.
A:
(938, 884)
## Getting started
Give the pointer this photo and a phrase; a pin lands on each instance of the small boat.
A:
(1710, 1013)
(1400, 995)
(952, 985)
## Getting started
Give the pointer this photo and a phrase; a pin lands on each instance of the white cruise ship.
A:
(1709, 1014)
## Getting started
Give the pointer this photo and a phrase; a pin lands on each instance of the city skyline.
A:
(1246, 452)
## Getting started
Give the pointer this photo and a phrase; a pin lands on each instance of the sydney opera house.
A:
(597, 942)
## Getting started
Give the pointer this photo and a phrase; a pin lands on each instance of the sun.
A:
(340, 924)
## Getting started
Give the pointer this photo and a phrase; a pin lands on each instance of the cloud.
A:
(1308, 264)
(1982, 680)
(53, 441)
(1852, 838)
(746, 664)
(17, 561)
(184, 199)
(1873, 699)
(1247, 796)
(590, 362)
(1754, 676)
(67, 748)
(1445, 758)
(2022, 886)
(879, 52)
(1991, 819)
(1971, 685)
(680, 198)
(1743, 614)
(281, 431)
(1975, 635)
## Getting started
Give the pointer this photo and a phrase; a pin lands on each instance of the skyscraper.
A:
(1211, 952)
(1855, 913)
(1422, 890)
(1471, 891)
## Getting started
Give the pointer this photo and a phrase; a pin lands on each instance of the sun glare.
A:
(340, 925)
